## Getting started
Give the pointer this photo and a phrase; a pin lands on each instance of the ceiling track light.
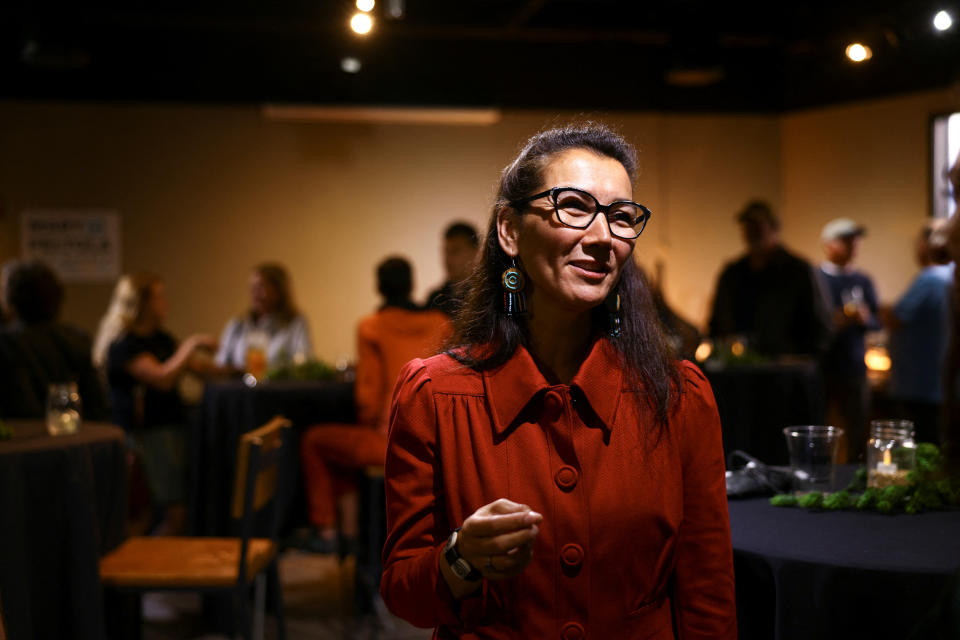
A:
(942, 21)
(361, 23)
(365, 5)
(857, 52)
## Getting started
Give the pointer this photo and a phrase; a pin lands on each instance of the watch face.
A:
(461, 568)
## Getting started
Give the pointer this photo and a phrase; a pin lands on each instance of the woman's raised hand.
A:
(498, 538)
(201, 340)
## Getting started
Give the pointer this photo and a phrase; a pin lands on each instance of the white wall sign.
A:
(81, 246)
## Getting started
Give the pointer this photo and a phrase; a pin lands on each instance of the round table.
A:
(62, 505)
(803, 574)
(756, 401)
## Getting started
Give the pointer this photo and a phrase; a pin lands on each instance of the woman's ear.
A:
(508, 231)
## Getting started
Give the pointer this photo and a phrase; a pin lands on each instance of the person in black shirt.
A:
(460, 246)
(142, 362)
(769, 296)
(37, 350)
(853, 302)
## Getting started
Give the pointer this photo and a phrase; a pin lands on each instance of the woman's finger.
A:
(497, 567)
(503, 505)
(503, 543)
(482, 525)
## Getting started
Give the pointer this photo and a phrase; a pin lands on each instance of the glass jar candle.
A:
(891, 453)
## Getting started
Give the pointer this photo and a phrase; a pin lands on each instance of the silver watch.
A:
(458, 564)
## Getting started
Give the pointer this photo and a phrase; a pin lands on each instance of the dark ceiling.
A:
(580, 54)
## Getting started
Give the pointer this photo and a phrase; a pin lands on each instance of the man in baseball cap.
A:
(852, 300)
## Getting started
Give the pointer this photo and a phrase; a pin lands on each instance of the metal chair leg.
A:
(277, 589)
(259, 601)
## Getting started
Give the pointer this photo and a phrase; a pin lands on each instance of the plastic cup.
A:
(813, 456)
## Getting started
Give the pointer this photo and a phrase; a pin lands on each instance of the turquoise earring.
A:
(514, 301)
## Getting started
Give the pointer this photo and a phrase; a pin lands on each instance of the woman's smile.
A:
(590, 269)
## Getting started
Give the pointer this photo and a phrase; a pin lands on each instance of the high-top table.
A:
(843, 575)
(230, 409)
(62, 505)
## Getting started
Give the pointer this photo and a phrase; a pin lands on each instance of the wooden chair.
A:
(207, 565)
(373, 534)
(3, 632)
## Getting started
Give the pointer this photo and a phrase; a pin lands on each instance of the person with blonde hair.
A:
(273, 317)
(142, 362)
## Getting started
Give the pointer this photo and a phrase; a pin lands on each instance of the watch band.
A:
(458, 564)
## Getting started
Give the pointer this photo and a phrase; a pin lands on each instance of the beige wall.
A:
(206, 192)
(867, 161)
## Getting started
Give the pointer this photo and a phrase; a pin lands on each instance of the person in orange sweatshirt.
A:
(396, 333)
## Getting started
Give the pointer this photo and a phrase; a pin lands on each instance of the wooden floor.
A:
(318, 596)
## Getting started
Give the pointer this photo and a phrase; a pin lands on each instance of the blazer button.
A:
(573, 631)
(552, 406)
(566, 477)
(571, 555)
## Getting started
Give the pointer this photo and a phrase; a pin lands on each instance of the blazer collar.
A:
(511, 386)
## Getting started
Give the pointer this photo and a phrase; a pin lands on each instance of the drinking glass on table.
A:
(63, 408)
(256, 357)
(813, 456)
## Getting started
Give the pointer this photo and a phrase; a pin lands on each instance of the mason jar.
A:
(891, 453)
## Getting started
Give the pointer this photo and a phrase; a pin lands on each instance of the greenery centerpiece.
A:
(307, 370)
(928, 488)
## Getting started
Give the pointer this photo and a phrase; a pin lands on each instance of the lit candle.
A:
(887, 466)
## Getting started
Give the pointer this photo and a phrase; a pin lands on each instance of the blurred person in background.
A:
(37, 350)
(852, 300)
(142, 362)
(919, 328)
(460, 246)
(396, 333)
(769, 295)
(952, 370)
(272, 326)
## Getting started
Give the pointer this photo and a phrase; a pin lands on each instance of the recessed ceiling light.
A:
(361, 23)
(365, 5)
(942, 21)
(350, 65)
(859, 52)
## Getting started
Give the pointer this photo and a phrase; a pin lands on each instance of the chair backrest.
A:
(258, 458)
(259, 480)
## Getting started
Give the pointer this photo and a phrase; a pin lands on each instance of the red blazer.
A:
(635, 538)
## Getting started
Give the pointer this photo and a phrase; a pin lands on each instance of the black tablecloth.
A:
(62, 505)
(757, 401)
(230, 409)
(803, 575)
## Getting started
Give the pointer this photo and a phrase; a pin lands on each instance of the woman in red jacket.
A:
(556, 473)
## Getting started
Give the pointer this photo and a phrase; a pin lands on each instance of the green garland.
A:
(309, 370)
(929, 490)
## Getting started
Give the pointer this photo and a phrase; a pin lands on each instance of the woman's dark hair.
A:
(275, 274)
(485, 337)
(32, 291)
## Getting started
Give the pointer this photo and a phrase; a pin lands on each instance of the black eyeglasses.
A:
(577, 208)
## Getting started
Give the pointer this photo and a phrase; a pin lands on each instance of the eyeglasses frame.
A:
(601, 208)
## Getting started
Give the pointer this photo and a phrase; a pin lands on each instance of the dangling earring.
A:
(613, 307)
(514, 302)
